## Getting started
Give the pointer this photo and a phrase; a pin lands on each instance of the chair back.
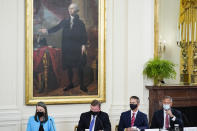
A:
(116, 128)
(75, 129)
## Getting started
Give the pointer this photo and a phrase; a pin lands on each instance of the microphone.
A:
(52, 124)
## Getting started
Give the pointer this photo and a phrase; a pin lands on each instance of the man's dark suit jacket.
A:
(102, 122)
(72, 40)
(141, 121)
(158, 119)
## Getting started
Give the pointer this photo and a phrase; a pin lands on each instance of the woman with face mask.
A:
(41, 121)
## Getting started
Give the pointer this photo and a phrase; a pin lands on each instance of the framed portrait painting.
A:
(65, 51)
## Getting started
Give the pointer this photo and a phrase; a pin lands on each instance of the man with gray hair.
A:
(74, 39)
(167, 117)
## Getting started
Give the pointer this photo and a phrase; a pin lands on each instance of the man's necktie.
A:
(132, 119)
(92, 124)
(167, 122)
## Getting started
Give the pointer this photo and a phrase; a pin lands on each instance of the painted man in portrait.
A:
(74, 40)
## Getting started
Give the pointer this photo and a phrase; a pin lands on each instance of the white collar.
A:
(72, 17)
(134, 112)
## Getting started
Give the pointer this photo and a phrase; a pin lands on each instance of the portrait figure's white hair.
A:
(75, 6)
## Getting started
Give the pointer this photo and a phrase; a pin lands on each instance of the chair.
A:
(116, 128)
(75, 129)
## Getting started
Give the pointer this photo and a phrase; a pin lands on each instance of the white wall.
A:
(168, 19)
(129, 45)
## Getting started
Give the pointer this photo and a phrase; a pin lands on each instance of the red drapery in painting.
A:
(55, 56)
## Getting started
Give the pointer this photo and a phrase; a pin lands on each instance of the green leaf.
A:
(159, 69)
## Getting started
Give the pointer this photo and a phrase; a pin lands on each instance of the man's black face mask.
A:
(133, 106)
(94, 113)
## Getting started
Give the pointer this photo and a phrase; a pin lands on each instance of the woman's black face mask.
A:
(40, 114)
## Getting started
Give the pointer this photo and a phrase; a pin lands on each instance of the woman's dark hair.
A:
(45, 114)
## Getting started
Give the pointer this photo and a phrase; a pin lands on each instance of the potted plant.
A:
(158, 69)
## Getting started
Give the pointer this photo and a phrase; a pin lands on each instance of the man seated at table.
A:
(94, 119)
(133, 118)
(167, 117)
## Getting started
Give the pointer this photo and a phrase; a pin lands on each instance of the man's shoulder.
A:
(142, 114)
(85, 113)
(158, 111)
(104, 113)
(126, 112)
(79, 21)
(176, 111)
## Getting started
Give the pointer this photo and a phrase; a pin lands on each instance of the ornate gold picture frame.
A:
(62, 66)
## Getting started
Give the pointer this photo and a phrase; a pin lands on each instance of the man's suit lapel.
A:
(98, 123)
(173, 111)
(137, 118)
(67, 23)
(129, 118)
(96, 126)
(162, 116)
(88, 119)
(171, 122)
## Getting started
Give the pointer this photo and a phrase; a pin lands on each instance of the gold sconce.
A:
(161, 46)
